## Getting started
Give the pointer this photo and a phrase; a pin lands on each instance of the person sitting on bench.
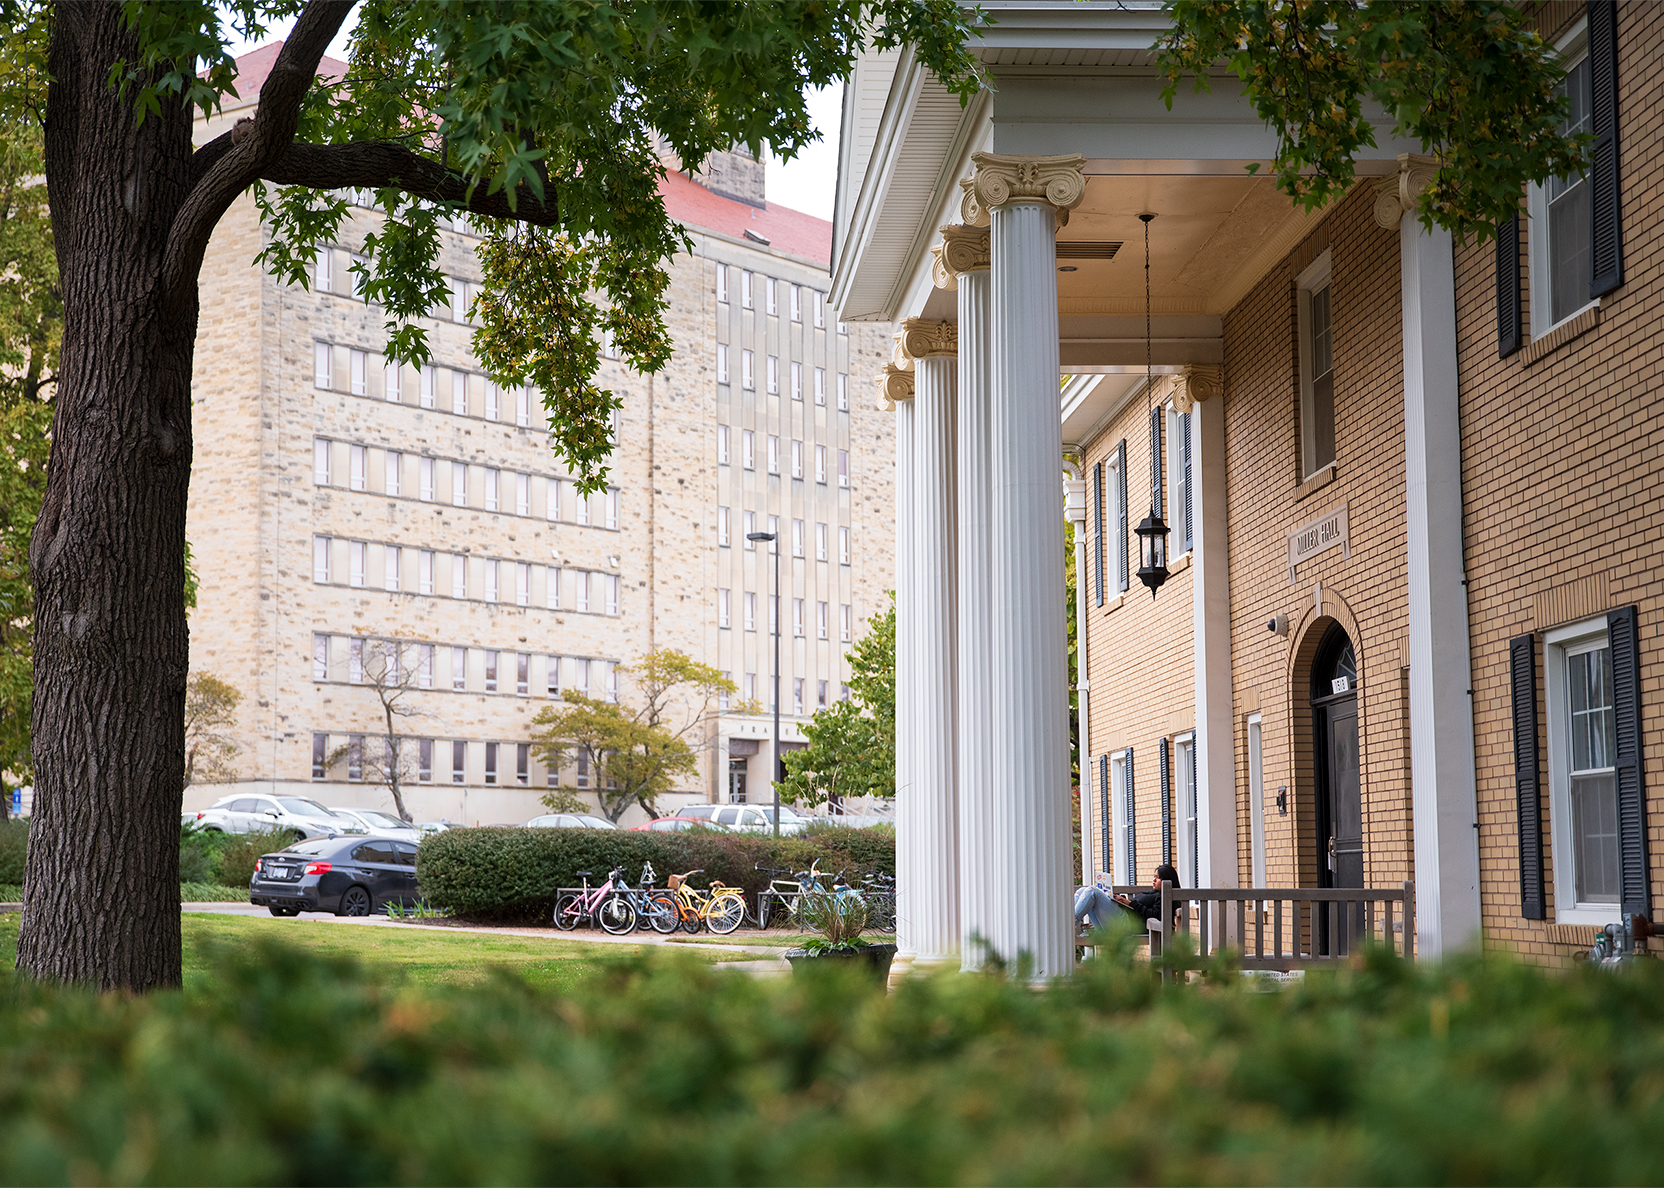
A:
(1095, 905)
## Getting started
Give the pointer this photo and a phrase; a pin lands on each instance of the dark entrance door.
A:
(1340, 824)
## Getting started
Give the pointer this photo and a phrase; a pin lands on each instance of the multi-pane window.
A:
(843, 546)
(493, 401)
(424, 760)
(820, 542)
(748, 449)
(392, 472)
(1561, 219)
(392, 380)
(843, 393)
(820, 695)
(320, 657)
(722, 608)
(819, 302)
(522, 583)
(424, 571)
(522, 673)
(357, 365)
(522, 406)
(355, 563)
(749, 686)
(773, 454)
(459, 575)
(424, 666)
(750, 519)
(610, 498)
(1180, 505)
(820, 620)
(323, 366)
(797, 303)
(393, 561)
(320, 755)
(748, 377)
(580, 507)
(459, 762)
(722, 445)
(459, 393)
(320, 461)
(797, 538)
(1591, 771)
(721, 362)
(492, 568)
(323, 270)
(358, 465)
(820, 464)
(522, 494)
(797, 381)
(493, 484)
(583, 581)
(722, 282)
(551, 675)
(745, 290)
(355, 756)
(552, 582)
(459, 669)
(820, 386)
(772, 372)
(491, 658)
(430, 385)
(1317, 378)
(355, 661)
(750, 611)
(844, 617)
(797, 695)
(770, 288)
(774, 533)
(722, 526)
(425, 479)
(522, 763)
(797, 459)
(459, 484)
(843, 468)
(797, 617)
(612, 584)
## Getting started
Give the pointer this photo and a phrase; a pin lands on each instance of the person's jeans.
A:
(1097, 907)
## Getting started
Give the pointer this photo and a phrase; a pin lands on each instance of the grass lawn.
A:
(423, 956)
(189, 892)
(774, 938)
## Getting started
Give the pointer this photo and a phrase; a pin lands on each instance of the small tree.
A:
(852, 743)
(210, 713)
(388, 757)
(635, 755)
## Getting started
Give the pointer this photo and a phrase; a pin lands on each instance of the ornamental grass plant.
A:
(291, 1068)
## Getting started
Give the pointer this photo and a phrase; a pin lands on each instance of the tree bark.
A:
(101, 889)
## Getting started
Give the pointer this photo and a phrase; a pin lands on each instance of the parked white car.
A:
(747, 818)
(379, 824)
(300, 815)
(569, 821)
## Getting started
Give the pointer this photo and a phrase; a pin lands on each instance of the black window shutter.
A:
(1184, 447)
(1155, 460)
(1122, 549)
(1098, 529)
(1106, 823)
(1624, 639)
(1166, 804)
(1606, 197)
(1522, 668)
(1508, 286)
(1131, 825)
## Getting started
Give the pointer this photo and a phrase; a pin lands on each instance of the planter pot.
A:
(876, 957)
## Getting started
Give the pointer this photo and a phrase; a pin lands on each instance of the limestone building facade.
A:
(341, 503)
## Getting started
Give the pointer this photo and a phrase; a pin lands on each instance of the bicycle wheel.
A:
(659, 910)
(725, 913)
(618, 914)
(691, 921)
(569, 911)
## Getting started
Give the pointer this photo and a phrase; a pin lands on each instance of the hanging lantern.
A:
(1152, 551)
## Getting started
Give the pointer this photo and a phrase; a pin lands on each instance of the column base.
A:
(900, 967)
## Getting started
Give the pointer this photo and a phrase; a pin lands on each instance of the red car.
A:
(679, 825)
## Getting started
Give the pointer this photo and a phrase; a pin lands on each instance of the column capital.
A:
(917, 338)
(963, 249)
(999, 179)
(1397, 195)
(1196, 383)
(894, 383)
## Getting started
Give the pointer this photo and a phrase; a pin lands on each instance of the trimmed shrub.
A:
(515, 873)
(238, 854)
(14, 849)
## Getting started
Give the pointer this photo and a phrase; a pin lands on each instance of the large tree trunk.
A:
(101, 892)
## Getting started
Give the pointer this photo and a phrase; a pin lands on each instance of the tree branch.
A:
(373, 163)
(254, 145)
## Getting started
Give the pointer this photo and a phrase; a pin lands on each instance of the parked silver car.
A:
(747, 818)
(569, 821)
(379, 824)
(300, 815)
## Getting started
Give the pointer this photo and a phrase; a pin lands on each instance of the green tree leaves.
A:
(852, 744)
(1469, 82)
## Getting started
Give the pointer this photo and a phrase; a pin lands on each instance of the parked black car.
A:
(350, 876)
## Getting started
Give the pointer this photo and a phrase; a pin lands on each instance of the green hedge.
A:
(513, 874)
(290, 1069)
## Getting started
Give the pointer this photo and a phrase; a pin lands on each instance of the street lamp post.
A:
(774, 777)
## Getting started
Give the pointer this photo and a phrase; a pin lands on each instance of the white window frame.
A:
(1558, 645)
(843, 393)
(391, 562)
(821, 551)
(392, 380)
(1572, 48)
(358, 467)
(750, 611)
(797, 303)
(748, 449)
(493, 401)
(1116, 559)
(845, 617)
(722, 445)
(1317, 275)
(1174, 486)
(820, 386)
(323, 270)
(493, 572)
(522, 494)
(323, 366)
(392, 473)
(820, 309)
(522, 406)
(1187, 815)
(493, 487)
(459, 393)
(748, 370)
(459, 484)
(356, 553)
(1123, 873)
(321, 461)
(721, 362)
(358, 366)
(425, 479)
(746, 290)
(797, 381)
(522, 583)
(429, 385)
(772, 373)
(1256, 799)
(722, 283)
(722, 527)
(552, 577)
(722, 603)
(459, 575)
(773, 454)
(843, 546)
(424, 571)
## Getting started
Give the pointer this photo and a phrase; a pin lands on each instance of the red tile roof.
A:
(689, 203)
(786, 230)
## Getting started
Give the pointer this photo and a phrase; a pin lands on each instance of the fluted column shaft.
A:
(977, 721)
(934, 851)
(908, 824)
(1028, 869)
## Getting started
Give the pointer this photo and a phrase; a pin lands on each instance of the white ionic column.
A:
(896, 394)
(962, 263)
(1027, 867)
(1201, 390)
(934, 850)
(1441, 708)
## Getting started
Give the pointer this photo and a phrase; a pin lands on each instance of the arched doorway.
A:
(1339, 816)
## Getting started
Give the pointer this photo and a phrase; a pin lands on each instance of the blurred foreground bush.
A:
(297, 1069)
(512, 874)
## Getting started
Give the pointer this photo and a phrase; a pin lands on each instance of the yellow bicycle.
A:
(721, 909)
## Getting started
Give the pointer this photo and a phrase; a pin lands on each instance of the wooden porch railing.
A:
(1285, 928)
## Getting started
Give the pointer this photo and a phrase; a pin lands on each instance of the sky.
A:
(807, 183)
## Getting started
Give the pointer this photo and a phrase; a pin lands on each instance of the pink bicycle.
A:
(606, 905)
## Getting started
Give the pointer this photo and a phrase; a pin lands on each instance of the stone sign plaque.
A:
(1318, 536)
